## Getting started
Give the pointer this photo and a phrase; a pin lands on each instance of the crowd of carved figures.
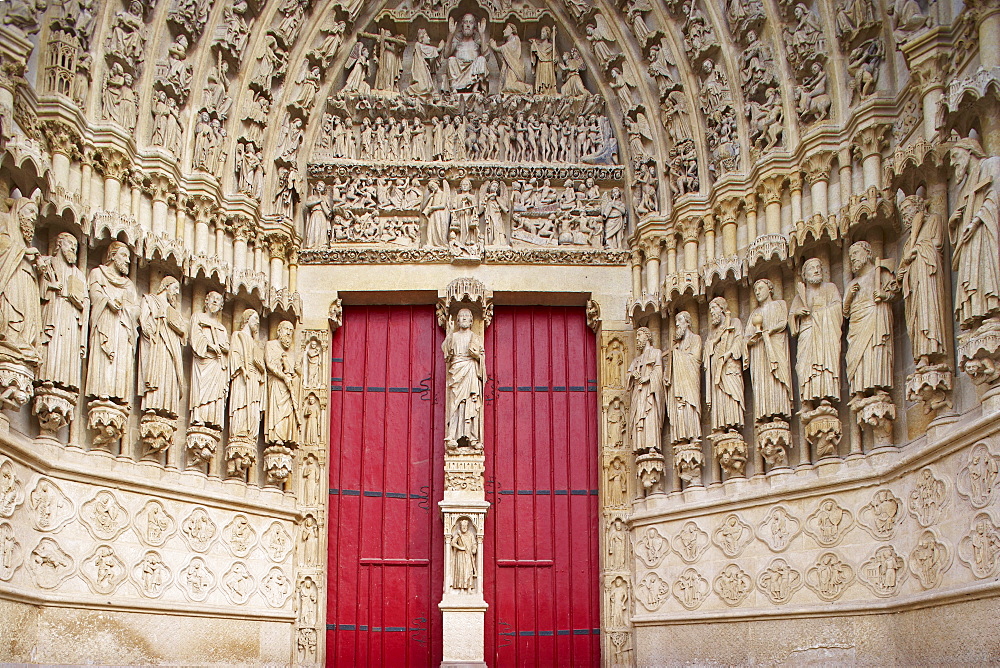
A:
(456, 215)
(519, 138)
(842, 341)
(56, 321)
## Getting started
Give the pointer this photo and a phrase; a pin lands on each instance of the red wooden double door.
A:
(386, 539)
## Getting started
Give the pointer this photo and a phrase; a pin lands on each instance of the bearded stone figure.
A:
(114, 313)
(869, 329)
(684, 393)
(209, 379)
(725, 359)
(246, 369)
(20, 311)
(645, 384)
(164, 333)
(65, 308)
(767, 343)
(282, 415)
(465, 55)
(464, 550)
(463, 354)
(816, 319)
(975, 233)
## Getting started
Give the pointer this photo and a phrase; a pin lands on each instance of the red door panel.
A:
(386, 478)
(541, 570)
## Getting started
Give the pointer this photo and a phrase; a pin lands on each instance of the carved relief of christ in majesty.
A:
(463, 354)
(466, 60)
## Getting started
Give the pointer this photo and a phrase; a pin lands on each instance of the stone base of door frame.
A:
(464, 631)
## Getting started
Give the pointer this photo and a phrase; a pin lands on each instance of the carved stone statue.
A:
(282, 423)
(767, 343)
(975, 230)
(390, 59)
(20, 311)
(512, 74)
(615, 215)
(318, 213)
(463, 234)
(209, 377)
(919, 274)
(816, 319)
(126, 40)
(425, 62)
(465, 55)
(164, 332)
(869, 329)
(725, 359)
(463, 354)
(464, 551)
(645, 385)
(65, 308)
(543, 53)
(684, 392)
(437, 210)
(114, 313)
(357, 66)
(246, 371)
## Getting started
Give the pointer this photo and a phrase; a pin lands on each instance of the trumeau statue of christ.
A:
(463, 354)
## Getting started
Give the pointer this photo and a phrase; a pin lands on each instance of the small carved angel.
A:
(358, 66)
(601, 37)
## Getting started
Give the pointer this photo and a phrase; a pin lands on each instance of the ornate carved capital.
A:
(726, 210)
(770, 189)
(795, 181)
(817, 167)
(160, 187)
(202, 208)
(11, 72)
(689, 228)
(930, 72)
(60, 137)
(871, 140)
(750, 202)
(651, 247)
(243, 228)
(113, 165)
(278, 244)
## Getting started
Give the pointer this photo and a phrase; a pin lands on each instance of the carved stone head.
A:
(468, 26)
(682, 324)
(464, 318)
(250, 320)
(763, 290)
(171, 288)
(285, 332)
(67, 245)
(718, 310)
(642, 338)
(118, 256)
(860, 254)
(812, 271)
(213, 302)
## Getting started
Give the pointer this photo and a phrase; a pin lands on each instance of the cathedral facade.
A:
(499, 332)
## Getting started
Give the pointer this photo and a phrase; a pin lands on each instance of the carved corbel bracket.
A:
(730, 452)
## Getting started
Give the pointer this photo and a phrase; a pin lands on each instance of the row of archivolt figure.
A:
(676, 385)
(368, 209)
(519, 138)
(53, 318)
